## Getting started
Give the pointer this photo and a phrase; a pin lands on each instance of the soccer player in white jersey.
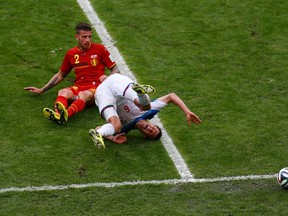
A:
(133, 118)
(116, 87)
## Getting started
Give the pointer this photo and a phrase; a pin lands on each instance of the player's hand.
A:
(192, 117)
(102, 78)
(33, 89)
(120, 138)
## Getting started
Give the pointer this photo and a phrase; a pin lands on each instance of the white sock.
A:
(106, 130)
(143, 99)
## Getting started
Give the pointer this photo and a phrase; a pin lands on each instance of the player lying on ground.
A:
(116, 87)
(89, 61)
(133, 118)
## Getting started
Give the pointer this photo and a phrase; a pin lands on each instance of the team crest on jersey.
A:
(94, 62)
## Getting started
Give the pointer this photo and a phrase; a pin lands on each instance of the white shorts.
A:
(114, 87)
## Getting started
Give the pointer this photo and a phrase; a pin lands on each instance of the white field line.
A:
(186, 176)
(106, 39)
(119, 184)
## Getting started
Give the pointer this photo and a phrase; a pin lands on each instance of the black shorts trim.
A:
(108, 106)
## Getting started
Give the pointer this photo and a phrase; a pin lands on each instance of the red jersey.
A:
(88, 64)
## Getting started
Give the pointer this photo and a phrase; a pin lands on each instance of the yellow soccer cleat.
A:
(97, 139)
(63, 112)
(143, 89)
(51, 115)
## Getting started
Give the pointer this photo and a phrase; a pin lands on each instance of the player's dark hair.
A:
(83, 27)
(158, 135)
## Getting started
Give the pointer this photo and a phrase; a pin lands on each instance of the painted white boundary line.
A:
(119, 184)
(106, 39)
(186, 176)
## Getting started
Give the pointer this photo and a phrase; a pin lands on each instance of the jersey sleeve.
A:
(157, 105)
(108, 59)
(66, 66)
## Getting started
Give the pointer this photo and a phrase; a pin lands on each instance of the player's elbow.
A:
(172, 94)
(171, 97)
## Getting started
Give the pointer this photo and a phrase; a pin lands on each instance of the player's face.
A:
(84, 39)
(148, 129)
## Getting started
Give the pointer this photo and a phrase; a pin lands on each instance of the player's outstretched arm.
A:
(119, 138)
(114, 70)
(176, 100)
(33, 89)
(57, 78)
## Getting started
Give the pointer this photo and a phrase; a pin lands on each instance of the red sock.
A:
(63, 100)
(77, 106)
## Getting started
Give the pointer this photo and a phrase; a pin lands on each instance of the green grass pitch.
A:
(226, 59)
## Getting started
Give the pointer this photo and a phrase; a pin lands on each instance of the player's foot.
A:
(63, 112)
(51, 115)
(143, 89)
(97, 139)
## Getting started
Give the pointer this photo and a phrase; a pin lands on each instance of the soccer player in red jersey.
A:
(89, 61)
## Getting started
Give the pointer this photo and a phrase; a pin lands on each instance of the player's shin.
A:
(143, 99)
(106, 130)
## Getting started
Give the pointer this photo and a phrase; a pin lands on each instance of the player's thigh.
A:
(104, 99)
(85, 95)
(66, 92)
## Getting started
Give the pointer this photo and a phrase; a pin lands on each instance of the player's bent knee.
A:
(85, 95)
(65, 92)
(115, 121)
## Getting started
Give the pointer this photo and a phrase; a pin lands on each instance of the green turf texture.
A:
(226, 60)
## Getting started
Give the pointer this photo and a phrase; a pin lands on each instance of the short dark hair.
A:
(158, 135)
(83, 26)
